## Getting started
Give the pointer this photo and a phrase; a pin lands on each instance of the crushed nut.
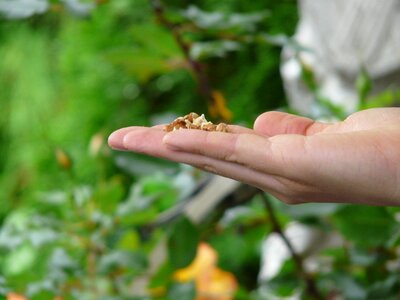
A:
(194, 121)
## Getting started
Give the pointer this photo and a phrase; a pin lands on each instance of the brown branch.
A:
(204, 86)
(311, 287)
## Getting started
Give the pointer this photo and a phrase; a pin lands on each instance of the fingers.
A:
(150, 141)
(115, 140)
(274, 123)
(249, 150)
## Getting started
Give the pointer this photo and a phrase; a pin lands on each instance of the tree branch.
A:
(204, 86)
(311, 287)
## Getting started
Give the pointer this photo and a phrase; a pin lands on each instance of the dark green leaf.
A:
(232, 249)
(366, 226)
(385, 289)
(182, 243)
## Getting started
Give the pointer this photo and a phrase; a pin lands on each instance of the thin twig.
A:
(311, 287)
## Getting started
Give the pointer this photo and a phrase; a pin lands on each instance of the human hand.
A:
(294, 158)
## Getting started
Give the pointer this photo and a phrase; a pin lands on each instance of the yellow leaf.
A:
(219, 109)
(205, 259)
(14, 296)
(217, 285)
(63, 160)
(95, 144)
(211, 282)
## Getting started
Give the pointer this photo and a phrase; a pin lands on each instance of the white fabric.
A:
(344, 35)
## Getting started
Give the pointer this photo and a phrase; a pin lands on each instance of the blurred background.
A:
(80, 221)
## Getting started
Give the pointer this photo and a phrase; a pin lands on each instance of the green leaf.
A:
(163, 276)
(308, 210)
(185, 291)
(385, 289)
(204, 50)
(308, 77)
(21, 260)
(240, 22)
(348, 287)
(139, 62)
(155, 38)
(385, 98)
(3, 287)
(182, 243)
(232, 249)
(284, 285)
(365, 226)
(22, 9)
(364, 86)
(130, 240)
(108, 194)
(118, 259)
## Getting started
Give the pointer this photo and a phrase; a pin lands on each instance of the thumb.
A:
(274, 123)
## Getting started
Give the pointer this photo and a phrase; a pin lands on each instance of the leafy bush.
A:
(79, 221)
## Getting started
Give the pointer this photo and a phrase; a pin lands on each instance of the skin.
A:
(294, 158)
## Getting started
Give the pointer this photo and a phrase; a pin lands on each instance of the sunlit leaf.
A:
(41, 289)
(42, 236)
(56, 197)
(222, 21)
(20, 260)
(385, 98)
(18, 9)
(129, 241)
(211, 282)
(204, 50)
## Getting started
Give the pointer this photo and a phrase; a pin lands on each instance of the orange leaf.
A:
(219, 109)
(205, 259)
(212, 283)
(14, 296)
(218, 285)
(64, 161)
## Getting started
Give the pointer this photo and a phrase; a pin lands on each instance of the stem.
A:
(204, 85)
(311, 287)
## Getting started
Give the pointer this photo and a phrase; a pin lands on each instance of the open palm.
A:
(294, 158)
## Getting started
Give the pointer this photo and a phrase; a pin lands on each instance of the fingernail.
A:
(115, 140)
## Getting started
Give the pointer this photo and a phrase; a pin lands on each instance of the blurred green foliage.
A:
(77, 219)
